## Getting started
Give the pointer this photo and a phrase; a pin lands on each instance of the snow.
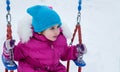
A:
(100, 29)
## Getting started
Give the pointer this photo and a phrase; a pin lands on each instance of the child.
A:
(44, 44)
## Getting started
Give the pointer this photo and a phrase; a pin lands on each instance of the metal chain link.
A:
(8, 15)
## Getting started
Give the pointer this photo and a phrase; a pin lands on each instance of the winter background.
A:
(100, 23)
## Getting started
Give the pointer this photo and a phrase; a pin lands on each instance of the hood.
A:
(25, 32)
(24, 29)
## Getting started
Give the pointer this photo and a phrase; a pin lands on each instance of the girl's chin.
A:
(53, 39)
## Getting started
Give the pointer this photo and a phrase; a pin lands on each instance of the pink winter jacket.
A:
(41, 55)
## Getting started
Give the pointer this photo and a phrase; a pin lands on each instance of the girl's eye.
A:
(52, 28)
(58, 26)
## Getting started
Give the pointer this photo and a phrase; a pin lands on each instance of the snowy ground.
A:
(100, 29)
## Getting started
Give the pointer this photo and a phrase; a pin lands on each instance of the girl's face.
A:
(52, 32)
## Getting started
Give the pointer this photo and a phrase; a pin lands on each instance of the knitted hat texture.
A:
(43, 17)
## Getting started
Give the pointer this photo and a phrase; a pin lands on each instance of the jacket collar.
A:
(39, 37)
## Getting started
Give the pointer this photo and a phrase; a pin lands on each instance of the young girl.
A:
(43, 44)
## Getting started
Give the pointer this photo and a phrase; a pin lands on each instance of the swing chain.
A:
(78, 17)
(8, 15)
(79, 5)
(79, 14)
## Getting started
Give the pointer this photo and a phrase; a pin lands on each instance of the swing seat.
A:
(9, 64)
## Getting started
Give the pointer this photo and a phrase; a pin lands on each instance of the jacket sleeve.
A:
(19, 52)
(69, 53)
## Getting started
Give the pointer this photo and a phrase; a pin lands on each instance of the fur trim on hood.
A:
(25, 29)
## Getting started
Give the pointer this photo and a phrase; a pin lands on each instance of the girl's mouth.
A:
(55, 36)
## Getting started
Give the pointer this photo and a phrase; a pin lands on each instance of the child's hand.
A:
(81, 48)
(8, 45)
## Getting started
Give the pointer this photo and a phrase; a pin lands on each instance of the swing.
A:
(77, 29)
(9, 65)
(13, 66)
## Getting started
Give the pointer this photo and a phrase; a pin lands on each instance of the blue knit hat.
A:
(43, 17)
